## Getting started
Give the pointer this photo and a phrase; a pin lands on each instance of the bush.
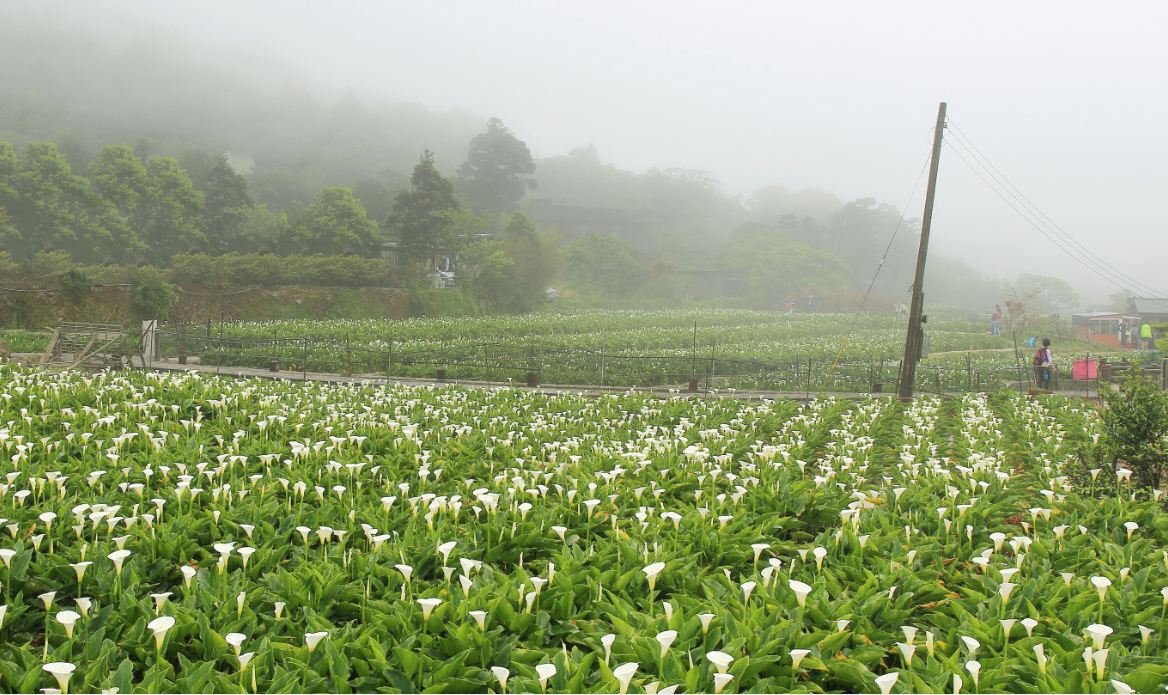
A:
(427, 301)
(1135, 430)
(151, 297)
(76, 286)
(8, 266)
(270, 270)
(194, 269)
(51, 263)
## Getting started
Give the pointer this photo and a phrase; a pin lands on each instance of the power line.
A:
(1050, 224)
(966, 143)
(1028, 217)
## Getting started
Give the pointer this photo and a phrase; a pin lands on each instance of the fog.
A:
(1065, 100)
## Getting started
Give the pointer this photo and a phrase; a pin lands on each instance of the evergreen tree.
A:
(497, 171)
(119, 182)
(170, 215)
(422, 214)
(226, 206)
(535, 263)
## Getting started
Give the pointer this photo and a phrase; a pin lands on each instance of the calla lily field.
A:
(732, 348)
(190, 533)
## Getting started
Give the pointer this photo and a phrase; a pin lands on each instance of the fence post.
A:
(389, 361)
(602, 362)
(304, 362)
(710, 374)
(808, 376)
(968, 371)
(348, 356)
(219, 356)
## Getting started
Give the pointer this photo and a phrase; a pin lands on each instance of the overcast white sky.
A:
(1067, 99)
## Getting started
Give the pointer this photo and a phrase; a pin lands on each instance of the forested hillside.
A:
(127, 154)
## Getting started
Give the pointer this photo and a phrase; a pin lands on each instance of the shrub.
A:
(76, 286)
(8, 266)
(270, 270)
(194, 269)
(51, 262)
(151, 297)
(1135, 429)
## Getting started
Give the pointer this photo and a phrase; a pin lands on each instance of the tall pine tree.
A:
(422, 216)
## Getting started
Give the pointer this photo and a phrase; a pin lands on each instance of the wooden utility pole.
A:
(915, 336)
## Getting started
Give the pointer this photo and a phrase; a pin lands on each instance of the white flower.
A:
(887, 681)
(972, 645)
(428, 605)
(665, 639)
(1101, 584)
(480, 617)
(312, 639)
(974, 669)
(606, 641)
(801, 591)
(501, 674)
(797, 656)
(1098, 634)
(544, 672)
(118, 557)
(624, 675)
(62, 671)
(651, 572)
(721, 680)
(68, 619)
(720, 660)
(160, 626)
(1040, 656)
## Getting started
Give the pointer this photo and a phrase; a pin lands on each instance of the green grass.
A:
(25, 341)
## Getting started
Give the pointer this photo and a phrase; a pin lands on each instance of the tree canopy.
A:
(497, 172)
(421, 218)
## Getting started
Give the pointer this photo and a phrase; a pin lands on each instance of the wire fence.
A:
(535, 361)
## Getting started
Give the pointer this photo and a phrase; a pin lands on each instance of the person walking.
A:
(1146, 335)
(1122, 336)
(1043, 365)
(996, 324)
(1133, 336)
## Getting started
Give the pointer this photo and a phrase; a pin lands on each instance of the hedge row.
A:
(269, 270)
(196, 269)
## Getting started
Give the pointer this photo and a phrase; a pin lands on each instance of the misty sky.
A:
(1067, 99)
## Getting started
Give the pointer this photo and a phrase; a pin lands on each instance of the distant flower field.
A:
(185, 533)
(727, 348)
